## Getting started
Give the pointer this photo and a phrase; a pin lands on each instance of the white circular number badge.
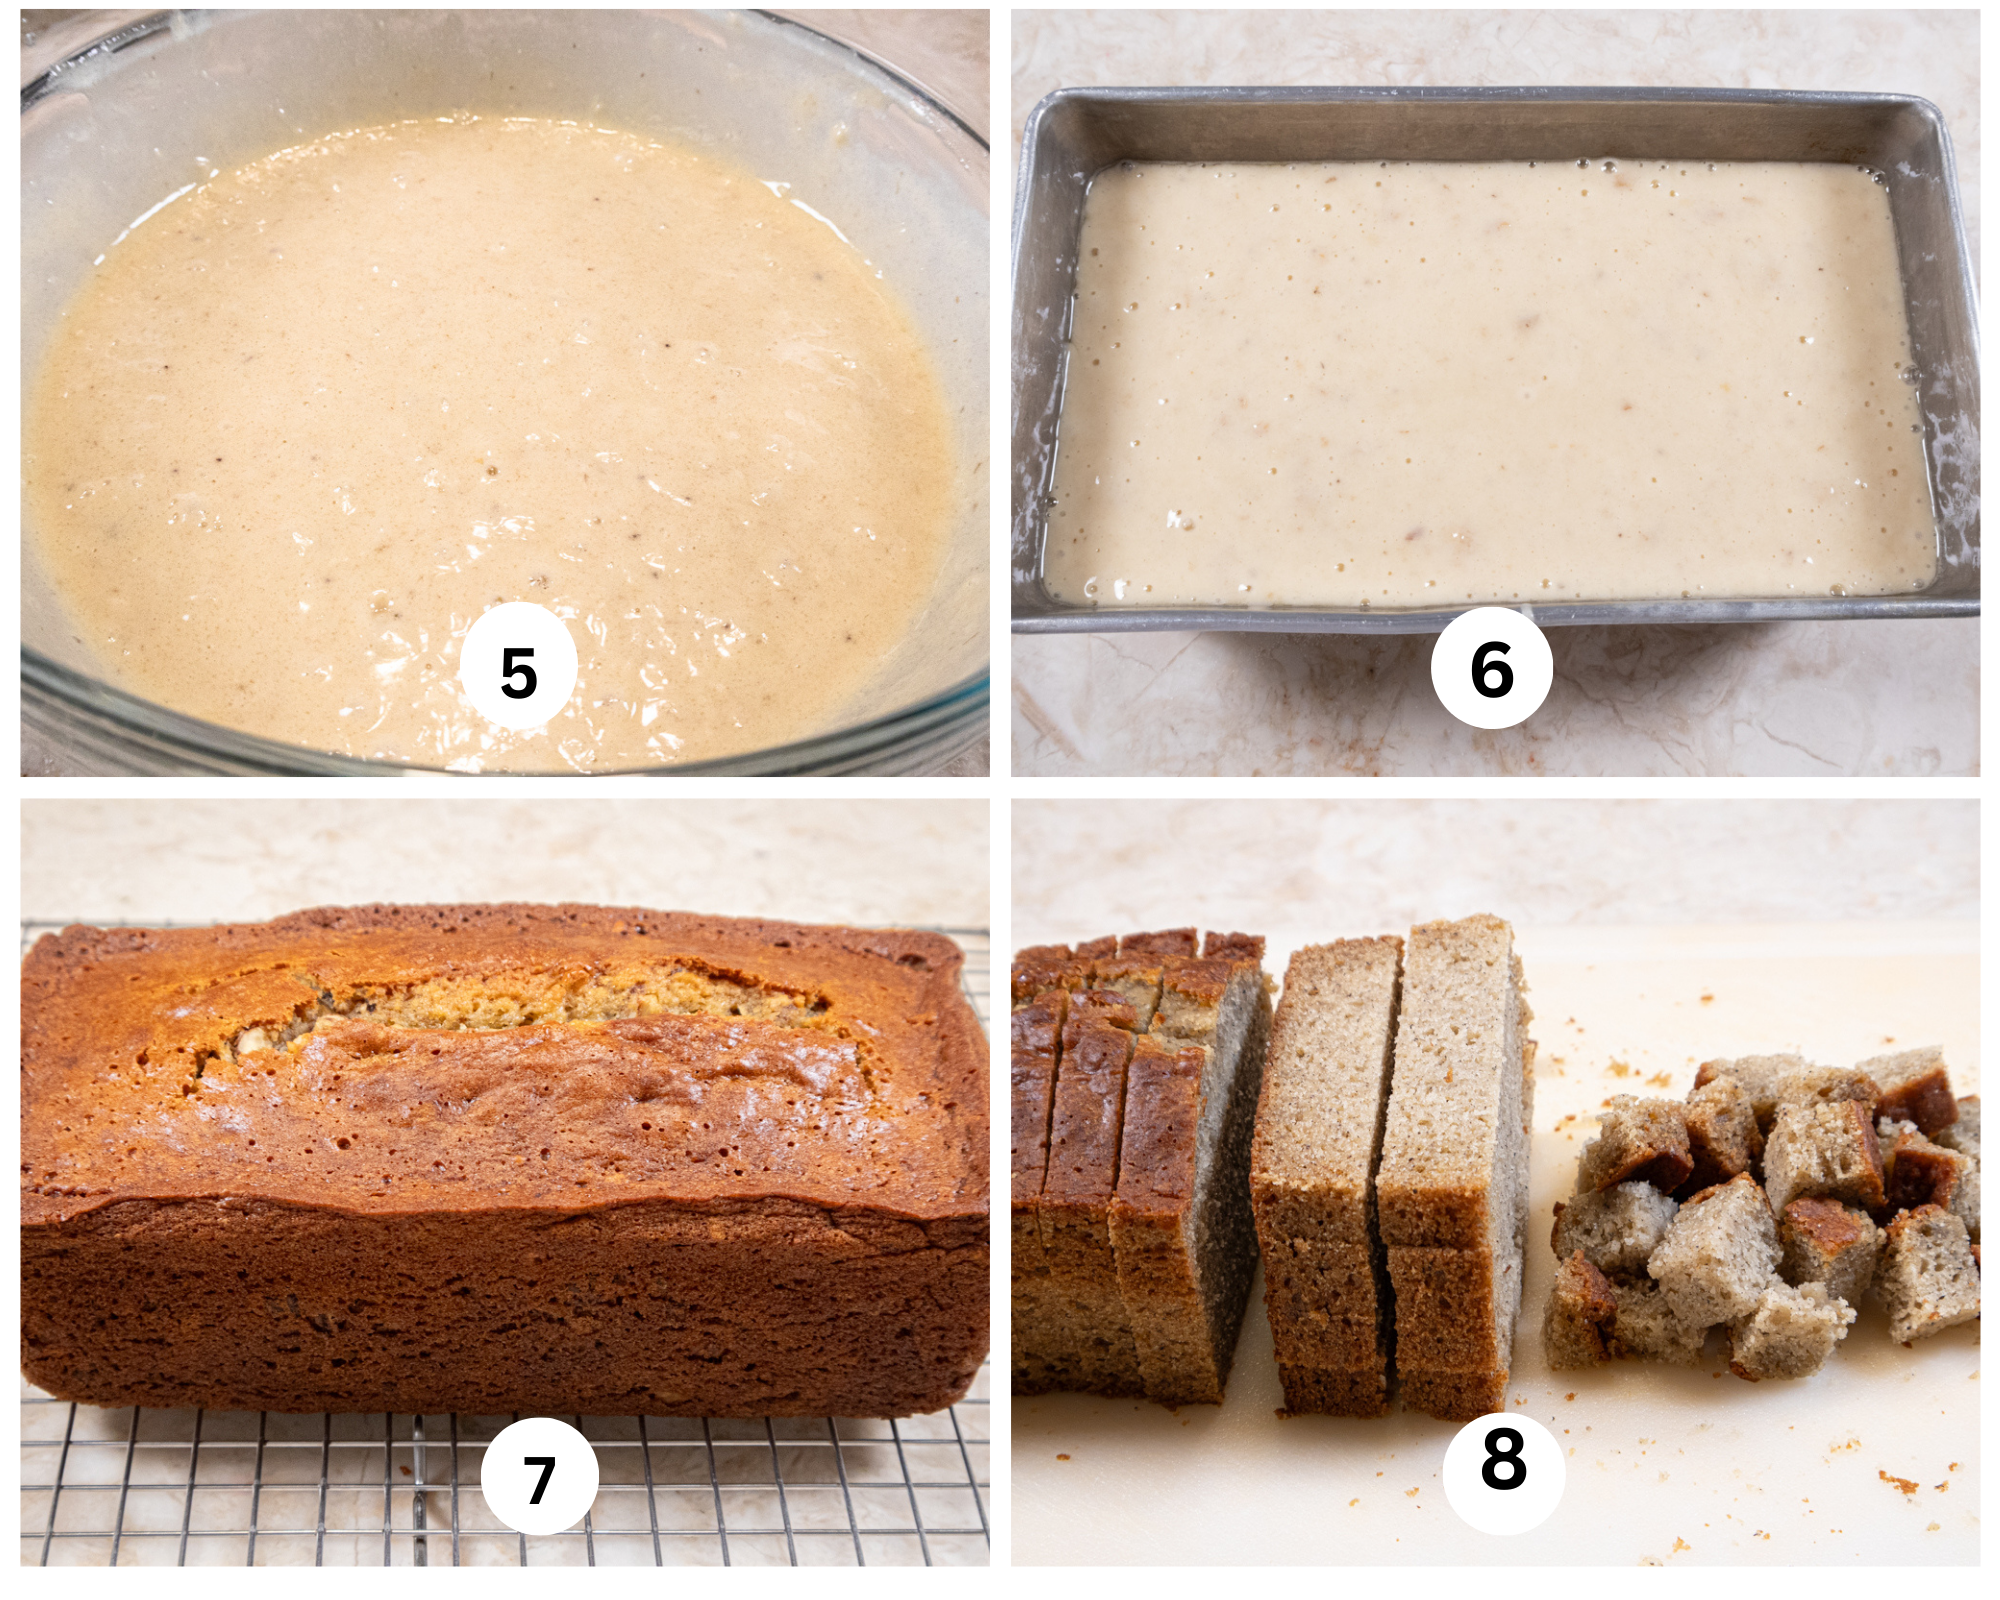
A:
(539, 1475)
(518, 665)
(1492, 668)
(1504, 1474)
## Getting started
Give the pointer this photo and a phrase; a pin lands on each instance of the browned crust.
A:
(1233, 947)
(1828, 1224)
(1452, 1396)
(1167, 942)
(1335, 1391)
(1927, 1101)
(1156, 1176)
(137, 1027)
(1918, 1173)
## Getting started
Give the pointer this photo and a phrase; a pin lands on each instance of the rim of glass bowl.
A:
(144, 728)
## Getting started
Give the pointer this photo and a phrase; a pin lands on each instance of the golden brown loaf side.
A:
(503, 1158)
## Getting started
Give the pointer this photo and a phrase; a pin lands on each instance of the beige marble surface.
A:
(1809, 698)
(912, 862)
(1341, 868)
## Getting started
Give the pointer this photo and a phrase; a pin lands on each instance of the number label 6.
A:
(1492, 668)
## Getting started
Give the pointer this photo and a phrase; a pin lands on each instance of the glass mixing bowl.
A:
(116, 125)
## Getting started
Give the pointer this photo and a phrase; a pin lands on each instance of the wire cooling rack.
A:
(144, 1487)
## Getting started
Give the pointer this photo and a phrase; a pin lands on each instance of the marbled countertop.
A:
(909, 862)
(1344, 868)
(1804, 698)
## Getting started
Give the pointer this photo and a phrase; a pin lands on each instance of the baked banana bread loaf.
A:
(490, 1159)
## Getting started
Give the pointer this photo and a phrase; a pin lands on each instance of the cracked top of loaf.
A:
(396, 1059)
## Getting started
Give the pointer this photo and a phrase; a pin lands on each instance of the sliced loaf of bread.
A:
(1312, 1170)
(1452, 1187)
(1037, 1043)
(1181, 1226)
(1093, 1347)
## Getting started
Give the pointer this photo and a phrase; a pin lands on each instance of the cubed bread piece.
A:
(1827, 1242)
(1319, 1134)
(1823, 1149)
(1916, 1172)
(1723, 1136)
(1830, 1085)
(1641, 1140)
(1759, 1076)
(1927, 1278)
(1720, 1254)
(1616, 1229)
(1037, 1321)
(1915, 1086)
(1963, 1135)
(1580, 1312)
(1790, 1334)
(1646, 1327)
(1965, 1203)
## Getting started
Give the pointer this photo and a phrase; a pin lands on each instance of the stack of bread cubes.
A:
(1766, 1205)
(1385, 1182)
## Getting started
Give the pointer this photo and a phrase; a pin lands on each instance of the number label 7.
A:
(548, 1466)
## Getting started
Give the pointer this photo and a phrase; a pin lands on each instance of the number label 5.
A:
(514, 664)
(1504, 1474)
(517, 665)
(1492, 667)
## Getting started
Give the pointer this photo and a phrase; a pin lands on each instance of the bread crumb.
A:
(1409, 1492)
(1680, 1544)
(1061, 1457)
(1952, 1468)
(1907, 1485)
(1570, 1396)
(1941, 1487)
(1852, 1444)
(1707, 999)
(1933, 1528)
(1619, 1069)
(1355, 1502)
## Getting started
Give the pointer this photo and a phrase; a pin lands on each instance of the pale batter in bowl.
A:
(310, 419)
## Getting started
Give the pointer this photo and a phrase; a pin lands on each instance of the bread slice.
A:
(1181, 1226)
(1091, 1345)
(1038, 1322)
(1312, 1168)
(1132, 1282)
(1452, 1187)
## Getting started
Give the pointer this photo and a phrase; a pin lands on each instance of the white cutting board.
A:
(1664, 1464)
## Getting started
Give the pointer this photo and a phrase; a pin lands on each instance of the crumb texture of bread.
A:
(1318, 1137)
(1790, 1333)
(1927, 1278)
(1647, 1328)
(1823, 1149)
(1827, 1242)
(1581, 1311)
(1616, 1229)
(1759, 1077)
(1719, 1256)
(1451, 1187)
(503, 1158)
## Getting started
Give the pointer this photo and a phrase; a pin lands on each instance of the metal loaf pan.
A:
(1077, 133)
